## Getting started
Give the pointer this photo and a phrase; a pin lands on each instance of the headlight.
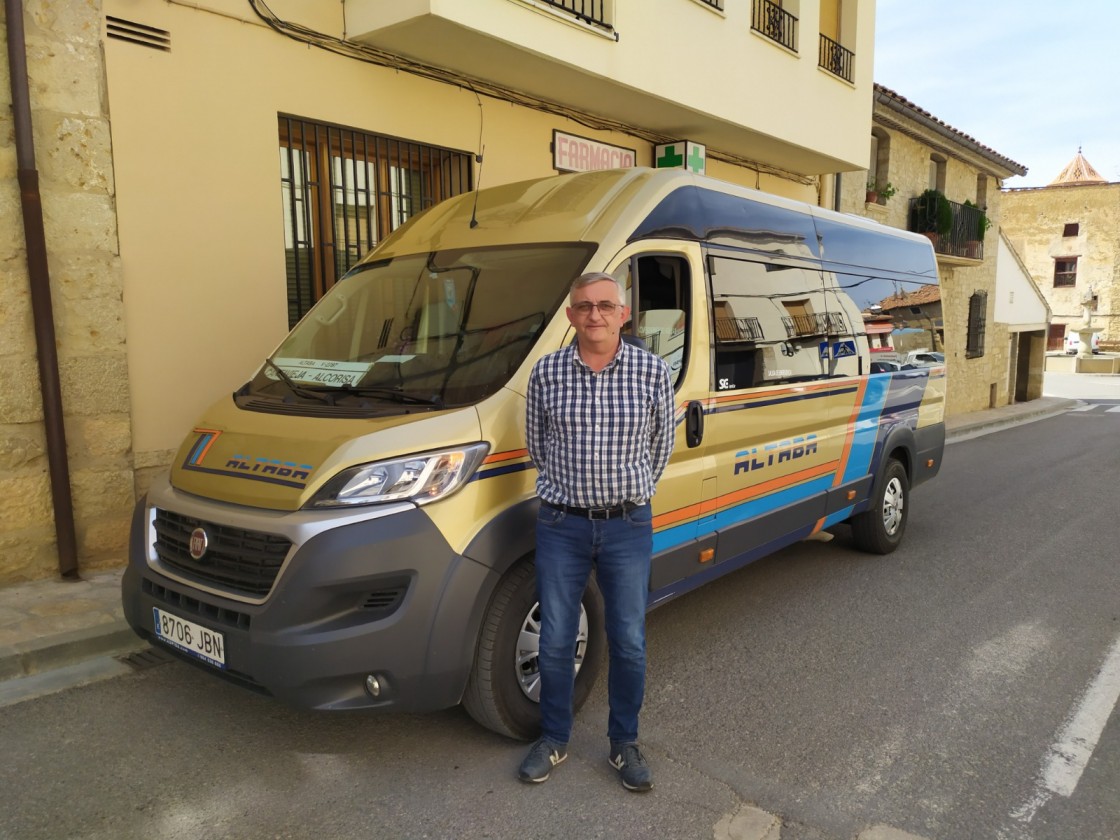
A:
(418, 478)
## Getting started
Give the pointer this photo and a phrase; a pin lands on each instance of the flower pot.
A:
(871, 197)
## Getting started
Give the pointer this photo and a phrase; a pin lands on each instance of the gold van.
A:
(354, 526)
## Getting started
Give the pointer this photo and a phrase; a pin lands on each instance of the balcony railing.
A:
(589, 11)
(738, 329)
(775, 23)
(815, 323)
(836, 59)
(963, 238)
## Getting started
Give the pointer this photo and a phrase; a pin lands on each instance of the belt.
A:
(594, 513)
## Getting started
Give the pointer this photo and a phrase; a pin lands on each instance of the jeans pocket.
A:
(550, 515)
(641, 516)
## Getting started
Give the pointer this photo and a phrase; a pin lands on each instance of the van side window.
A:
(662, 308)
(773, 323)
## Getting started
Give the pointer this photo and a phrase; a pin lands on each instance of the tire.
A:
(504, 686)
(879, 529)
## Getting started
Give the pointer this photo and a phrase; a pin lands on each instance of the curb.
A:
(48, 653)
(992, 422)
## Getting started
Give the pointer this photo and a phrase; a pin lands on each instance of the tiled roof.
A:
(926, 294)
(885, 93)
(1078, 171)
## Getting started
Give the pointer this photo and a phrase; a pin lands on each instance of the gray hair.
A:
(597, 277)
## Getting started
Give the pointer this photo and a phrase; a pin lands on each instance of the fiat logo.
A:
(199, 542)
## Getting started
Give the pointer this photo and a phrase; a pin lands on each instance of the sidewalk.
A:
(53, 625)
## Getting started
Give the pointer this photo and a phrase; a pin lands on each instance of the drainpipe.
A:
(836, 194)
(42, 313)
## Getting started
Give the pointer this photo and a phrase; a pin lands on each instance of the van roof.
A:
(616, 206)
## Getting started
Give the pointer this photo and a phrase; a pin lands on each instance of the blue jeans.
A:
(619, 549)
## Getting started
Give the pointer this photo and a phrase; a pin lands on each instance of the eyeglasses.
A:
(605, 307)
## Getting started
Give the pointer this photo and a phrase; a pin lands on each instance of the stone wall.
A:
(976, 383)
(74, 162)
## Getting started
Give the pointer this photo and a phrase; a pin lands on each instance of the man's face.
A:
(586, 313)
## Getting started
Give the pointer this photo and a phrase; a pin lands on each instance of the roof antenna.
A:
(478, 160)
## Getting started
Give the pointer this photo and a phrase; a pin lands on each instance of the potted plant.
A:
(933, 215)
(979, 228)
(878, 193)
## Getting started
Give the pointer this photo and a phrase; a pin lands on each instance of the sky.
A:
(1032, 80)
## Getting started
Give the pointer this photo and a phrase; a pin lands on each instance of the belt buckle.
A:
(598, 513)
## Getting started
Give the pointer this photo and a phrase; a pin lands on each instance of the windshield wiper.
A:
(394, 394)
(298, 390)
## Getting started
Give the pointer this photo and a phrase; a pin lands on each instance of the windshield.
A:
(441, 329)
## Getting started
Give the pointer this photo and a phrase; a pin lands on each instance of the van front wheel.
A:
(503, 691)
(879, 529)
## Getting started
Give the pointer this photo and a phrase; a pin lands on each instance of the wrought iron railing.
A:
(835, 58)
(715, 4)
(738, 329)
(775, 23)
(815, 323)
(589, 11)
(964, 237)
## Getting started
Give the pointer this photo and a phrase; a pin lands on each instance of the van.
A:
(1073, 343)
(354, 526)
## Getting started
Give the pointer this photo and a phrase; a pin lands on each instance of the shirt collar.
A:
(618, 356)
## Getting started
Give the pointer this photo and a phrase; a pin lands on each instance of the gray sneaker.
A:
(538, 764)
(631, 765)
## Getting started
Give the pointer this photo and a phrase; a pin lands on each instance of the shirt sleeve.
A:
(535, 420)
(663, 431)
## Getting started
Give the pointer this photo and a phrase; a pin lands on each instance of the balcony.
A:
(961, 239)
(775, 23)
(730, 330)
(815, 323)
(835, 58)
(589, 11)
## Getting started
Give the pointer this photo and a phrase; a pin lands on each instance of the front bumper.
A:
(385, 596)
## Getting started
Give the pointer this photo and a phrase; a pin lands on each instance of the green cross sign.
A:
(697, 157)
(683, 154)
(669, 156)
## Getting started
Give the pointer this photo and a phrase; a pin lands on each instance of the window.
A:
(344, 190)
(662, 306)
(977, 322)
(1071, 229)
(1065, 271)
(937, 172)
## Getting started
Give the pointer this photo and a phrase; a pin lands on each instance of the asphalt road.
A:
(952, 690)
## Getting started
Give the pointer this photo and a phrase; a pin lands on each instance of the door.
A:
(664, 282)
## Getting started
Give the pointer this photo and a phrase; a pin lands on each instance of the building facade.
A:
(926, 176)
(208, 168)
(1068, 234)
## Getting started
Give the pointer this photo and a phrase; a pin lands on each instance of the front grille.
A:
(238, 560)
(181, 604)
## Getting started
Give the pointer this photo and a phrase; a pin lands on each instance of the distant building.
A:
(1068, 236)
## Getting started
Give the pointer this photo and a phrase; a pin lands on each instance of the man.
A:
(600, 430)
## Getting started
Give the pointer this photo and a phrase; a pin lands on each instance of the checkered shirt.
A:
(599, 439)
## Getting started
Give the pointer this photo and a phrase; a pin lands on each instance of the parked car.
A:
(885, 366)
(1073, 343)
(923, 358)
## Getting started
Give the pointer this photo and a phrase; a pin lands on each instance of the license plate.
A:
(191, 638)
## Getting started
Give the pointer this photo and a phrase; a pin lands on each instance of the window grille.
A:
(344, 190)
(977, 324)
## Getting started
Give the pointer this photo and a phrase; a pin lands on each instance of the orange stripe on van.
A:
(210, 443)
(766, 487)
(506, 456)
